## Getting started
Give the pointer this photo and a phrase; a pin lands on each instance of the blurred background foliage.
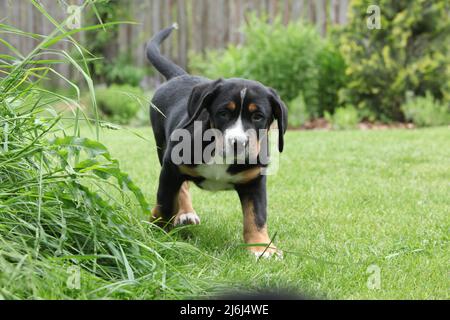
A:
(114, 65)
(123, 104)
(354, 73)
(294, 59)
(320, 56)
(409, 53)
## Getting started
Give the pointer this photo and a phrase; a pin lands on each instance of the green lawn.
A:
(340, 202)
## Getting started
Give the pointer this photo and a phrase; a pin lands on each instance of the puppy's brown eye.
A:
(257, 117)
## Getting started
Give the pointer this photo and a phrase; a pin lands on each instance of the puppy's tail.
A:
(166, 67)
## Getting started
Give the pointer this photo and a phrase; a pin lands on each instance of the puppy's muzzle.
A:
(238, 144)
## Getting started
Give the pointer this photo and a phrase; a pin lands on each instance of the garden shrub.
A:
(110, 65)
(121, 71)
(409, 53)
(119, 103)
(343, 118)
(425, 111)
(298, 112)
(292, 59)
(331, 77)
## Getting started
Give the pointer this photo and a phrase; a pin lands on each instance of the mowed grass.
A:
(340, 202)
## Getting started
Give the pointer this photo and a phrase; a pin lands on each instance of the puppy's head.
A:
(241, 110)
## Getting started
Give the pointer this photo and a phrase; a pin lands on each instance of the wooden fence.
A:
(203, 24)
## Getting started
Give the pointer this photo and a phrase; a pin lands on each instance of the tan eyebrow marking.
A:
(231, 106)
(252, 107)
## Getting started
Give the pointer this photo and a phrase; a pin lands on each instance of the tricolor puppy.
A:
(225, 121)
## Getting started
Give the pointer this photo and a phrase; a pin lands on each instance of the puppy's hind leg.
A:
(186, 213)
(170, 183)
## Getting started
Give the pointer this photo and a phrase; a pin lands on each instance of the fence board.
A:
(343, 4)
(204, 24)
(321, 10)
(183, 33)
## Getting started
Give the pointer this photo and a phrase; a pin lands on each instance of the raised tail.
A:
(166, 67)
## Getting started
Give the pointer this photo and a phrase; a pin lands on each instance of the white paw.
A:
(269, 253)
(186, 218)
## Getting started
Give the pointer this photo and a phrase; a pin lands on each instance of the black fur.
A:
(166, 67)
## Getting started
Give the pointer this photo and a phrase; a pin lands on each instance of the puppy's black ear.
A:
(201, 96)
(281, 114)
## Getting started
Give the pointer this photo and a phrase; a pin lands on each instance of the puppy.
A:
(223, 124)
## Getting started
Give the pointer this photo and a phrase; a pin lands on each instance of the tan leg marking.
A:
(186, 213)
(156, 213)
(249, 175)
(187, 170)
(254, 234)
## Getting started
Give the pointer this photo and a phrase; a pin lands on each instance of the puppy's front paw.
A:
(186, 218)
(156, 217)
(264, 252)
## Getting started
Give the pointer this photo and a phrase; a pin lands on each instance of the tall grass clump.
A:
(66, 208)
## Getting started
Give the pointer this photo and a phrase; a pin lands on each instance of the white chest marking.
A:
(216, 177)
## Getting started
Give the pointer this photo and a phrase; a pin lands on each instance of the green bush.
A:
(121, 71)
(298, 112)
(331, 77)
(292, 59)
(119, 103)
(426, 111)
(343, 118)
(409, 53)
